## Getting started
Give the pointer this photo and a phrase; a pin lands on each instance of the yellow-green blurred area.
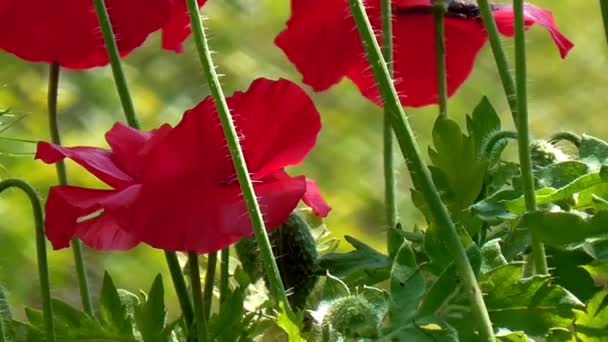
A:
(347, 162)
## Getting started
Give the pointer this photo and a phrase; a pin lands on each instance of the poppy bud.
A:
(353, 317)
(544, 153)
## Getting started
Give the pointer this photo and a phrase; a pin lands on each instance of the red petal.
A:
(192, 216)
(67, 31)
(315, 200)
(96, 160)
(177, 28)
(322, 41)
(276, 120)
(66, 205)
(505, 19)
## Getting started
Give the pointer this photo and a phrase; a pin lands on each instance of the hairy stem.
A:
(523, 136)
(439, 10)
(236, 152)
(62, 176)
(43, 266)
(180, 287)
(129, 111)
(413, 156)
(499, 56)
(224, 275)
(197, 298)
(209, 283)
(604, 8)
(390, 200)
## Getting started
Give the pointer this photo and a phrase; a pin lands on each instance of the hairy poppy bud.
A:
(353, 317)
(544, 153)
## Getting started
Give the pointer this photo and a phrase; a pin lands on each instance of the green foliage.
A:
(407, 285)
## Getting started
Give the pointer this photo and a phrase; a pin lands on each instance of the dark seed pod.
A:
(297, 258)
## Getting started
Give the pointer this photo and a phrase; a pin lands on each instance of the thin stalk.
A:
(390, 198)
(180, 287)
(604, 8)
(62, 176)
(43, 266)
(538, 250)
(236, 152)
(197, 298)
(439, 10)
(209, 283)
(119, 75)
(499, 56)
(127, 106)
(224, 275)
(417, 166)
(2, 335)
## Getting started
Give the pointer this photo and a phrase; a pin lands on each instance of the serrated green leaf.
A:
(532, 305)
(230, 323)
(407, 285)
(561, 228)
(150, 315)
(113, 311)
(422, 330)
(561, 174)
(593, 151)
(560, 335)
(290, 327)
(518, 336)
(455, 155)
(552, 195)
(493, 209)
(599, 272)
(491, 256)
(483, 121)
(363, 266)
(592, 324)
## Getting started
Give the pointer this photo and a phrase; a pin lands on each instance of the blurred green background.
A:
(347, 162)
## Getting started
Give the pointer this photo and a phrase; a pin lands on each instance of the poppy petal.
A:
(315, 200)
(67, 32)
(505, 20)
(96, 160)
(321, 40)
(177, 28)
(67, 205)
(206, 219)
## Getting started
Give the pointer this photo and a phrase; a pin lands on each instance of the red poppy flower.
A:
(67, 32)
(176, 188)
(322, 41)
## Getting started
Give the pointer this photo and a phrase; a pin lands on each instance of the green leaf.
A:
(363, 266)
(593, 151)
(552, 195)
(598, 270)
(561, 229)
(532, 305)
(592, 324)
(290, 327)
(561, 174)
(113, 311)
(493, 209)
(455, 155)
(560, 335)
(422, 330)
(518, 336)
(407, 285)
(483, 122)
(491, 256)
(150, 315)
(231, 322)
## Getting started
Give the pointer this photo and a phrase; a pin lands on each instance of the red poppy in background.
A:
(322, 41)
(176, 188)
(67, 32)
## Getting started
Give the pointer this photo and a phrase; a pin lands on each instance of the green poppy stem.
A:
(236, 152)
(390, 184)
(62, 175)
(224, 275)
(129, 111)
(523, 136)
(417, 166)
(197, 298)
(43, 266)
(2, 335)
(604, 9)
(499, 56)
(209, 283)
(439, 10)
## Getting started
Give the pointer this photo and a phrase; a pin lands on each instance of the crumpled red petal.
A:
(67, 208)
(67, 31)
(196, 217)
(505, 20)
(96, 160)
(315, 200)
(322, 42)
